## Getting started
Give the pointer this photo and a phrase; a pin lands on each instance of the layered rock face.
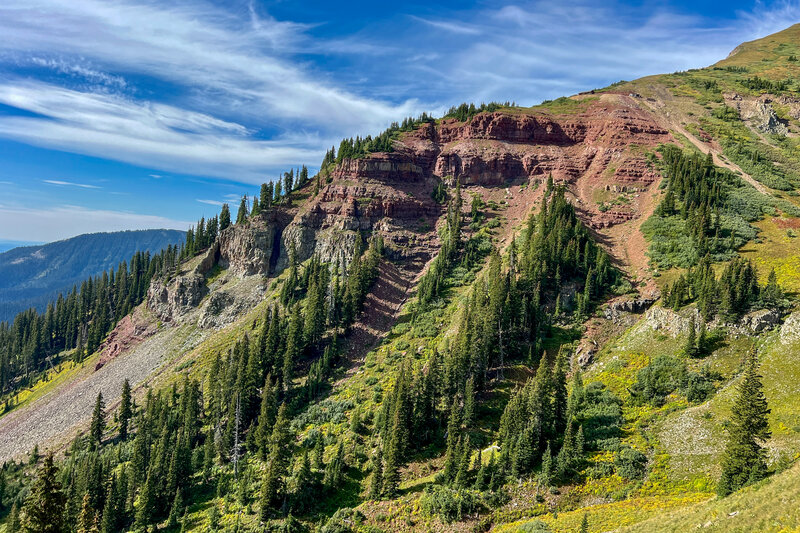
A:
(597, 149)
(242, 251)
(494, 148)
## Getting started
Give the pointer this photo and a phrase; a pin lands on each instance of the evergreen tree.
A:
(265, 196)
(304, 484)
(690, 348)
(548, 467)
(44, 509)
(213, 516)
(241, 215)
(334, 470)
(560, 397)
(125, 410)
(469, 403)
(87, 520)
(266, 417)
(98, 425)
(772, 293)
(288, 182)
(375, 481)
(272, 487)
(114, 509)
(523, 454)
(452, 458)
(585, 523)
(294, 347)
(355, 420)
(176, 511)
(224, 217)
(319, 454)
(702, 340)
(744, 461)
(13, 523)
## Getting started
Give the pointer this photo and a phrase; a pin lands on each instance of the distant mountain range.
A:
(8, 245)
(30, 276)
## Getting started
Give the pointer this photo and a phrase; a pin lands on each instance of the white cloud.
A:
(239, 65)
(71, 184)
(61, 222)
(530, 51)
(210, 202)
(770, 18)
(453, 27)
(142, 133)
(527, 52)
(77, 69)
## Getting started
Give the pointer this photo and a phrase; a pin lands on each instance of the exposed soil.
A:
(787, 223)
(381, 309)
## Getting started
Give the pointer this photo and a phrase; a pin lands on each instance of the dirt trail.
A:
(672, 121)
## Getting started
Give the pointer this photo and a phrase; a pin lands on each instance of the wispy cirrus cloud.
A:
(79, 70)
(143, 133)
(71, 184)
(458, 27)
(533, 50)
(223, 69)
(210, 202)
(241, 64)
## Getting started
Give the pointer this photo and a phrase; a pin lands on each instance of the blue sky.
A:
(124, 114)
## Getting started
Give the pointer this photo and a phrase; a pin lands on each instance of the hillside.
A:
(503, 319)
(31, 276)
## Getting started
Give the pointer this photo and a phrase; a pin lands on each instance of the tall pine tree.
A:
(744, 461)
(44, 508)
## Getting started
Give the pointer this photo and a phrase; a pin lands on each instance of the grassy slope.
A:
(770, 506)
(684, 442)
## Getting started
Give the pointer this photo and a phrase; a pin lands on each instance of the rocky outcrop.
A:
(171, 299)
(765, 120)
(757, 321)
(584, 353)
(790, 330)
(677, 324)
(225, 305)
(670, 322)
(243, 250)
(759, 113)
(384, 167)
(247, 249)
(496, 148)
(617, 308)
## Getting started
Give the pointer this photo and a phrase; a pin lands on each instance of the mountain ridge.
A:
(417, 312)
(33, 275)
